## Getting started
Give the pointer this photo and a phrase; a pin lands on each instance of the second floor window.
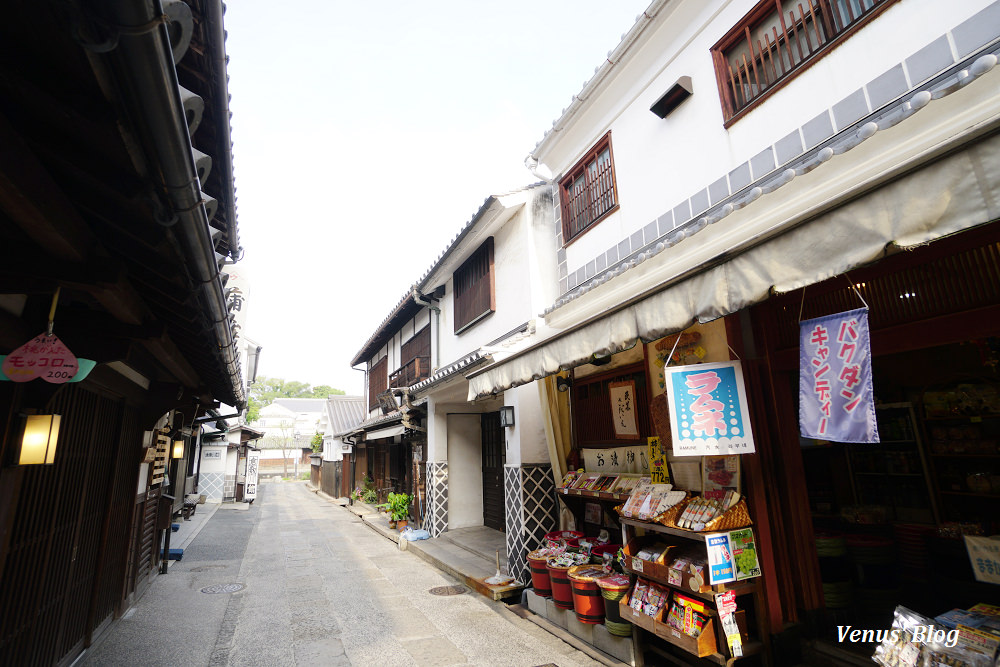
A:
(475, 296)
(588, 191)
(378, 381)
(416, 357)
(778, 38)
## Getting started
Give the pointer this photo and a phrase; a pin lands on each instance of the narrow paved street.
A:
(321, 588)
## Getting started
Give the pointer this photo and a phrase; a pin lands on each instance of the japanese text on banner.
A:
(708, 409)
(836, 400)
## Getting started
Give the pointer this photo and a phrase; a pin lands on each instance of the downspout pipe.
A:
(424, 300)
(149, 88)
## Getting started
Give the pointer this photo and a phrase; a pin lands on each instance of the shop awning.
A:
(385, 432)
(736, 267)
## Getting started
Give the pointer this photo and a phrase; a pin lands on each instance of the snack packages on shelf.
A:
(586, 481)
(687, 615)
(701, 510)
(936, 654)
(648, 500)
(649, 597)
(654, 552)
(569, 479)
(637, 497)
(661, 498)
(624, 484)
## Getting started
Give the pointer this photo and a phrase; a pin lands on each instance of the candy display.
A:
(702, 510)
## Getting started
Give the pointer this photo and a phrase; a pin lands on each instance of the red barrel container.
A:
(597, 553)
(587, 599)
(539, 574)
(558, 538)
(562, 593)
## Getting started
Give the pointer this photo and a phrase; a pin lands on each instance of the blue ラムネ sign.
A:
(708, 409)
(836, 400)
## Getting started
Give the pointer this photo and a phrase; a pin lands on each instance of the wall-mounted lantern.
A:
(38, 444)
(178, 449)
(507, 416)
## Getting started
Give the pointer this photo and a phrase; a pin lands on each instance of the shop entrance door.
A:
(493, 460)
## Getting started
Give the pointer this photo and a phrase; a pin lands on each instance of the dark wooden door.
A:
(493, 460)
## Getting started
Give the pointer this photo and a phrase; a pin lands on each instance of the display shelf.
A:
(971, 494)
(892, 474)
(749, 648)
(750, 589)
(972, 419)
(596, 495)
(742, 588)
(666, 530)
(895, 472)
(966, 456)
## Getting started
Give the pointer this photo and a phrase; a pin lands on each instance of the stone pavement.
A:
(321, 588)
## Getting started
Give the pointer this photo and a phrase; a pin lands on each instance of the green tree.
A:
(317, 443)
(253, 409)
(325, 391)
(265, 390)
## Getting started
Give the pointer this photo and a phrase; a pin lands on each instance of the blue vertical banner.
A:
(836, 400)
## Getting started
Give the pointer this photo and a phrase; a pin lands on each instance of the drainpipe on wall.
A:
(428, 301)
(151, 95)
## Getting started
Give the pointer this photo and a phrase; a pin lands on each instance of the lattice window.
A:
(378, 381)
(593, 420)
(475, 295)
(779, 38)
(588, 191)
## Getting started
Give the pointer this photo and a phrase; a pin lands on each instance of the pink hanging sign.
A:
(44, 356)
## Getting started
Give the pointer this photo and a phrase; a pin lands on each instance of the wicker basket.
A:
(669, 518)
(737, 516)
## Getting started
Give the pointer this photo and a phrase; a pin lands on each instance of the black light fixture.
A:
(507, 416)
(563, 383)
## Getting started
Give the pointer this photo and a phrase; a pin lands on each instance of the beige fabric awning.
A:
(951, 194)
(384, 432)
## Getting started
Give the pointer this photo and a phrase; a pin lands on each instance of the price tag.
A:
(675, 577)
(675, 633)
(637, 564)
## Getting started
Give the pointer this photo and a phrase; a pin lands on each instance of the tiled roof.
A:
(345, 412)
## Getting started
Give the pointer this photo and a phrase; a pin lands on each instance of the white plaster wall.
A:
(213, 465)
(526, 440)
(512, 259)
(661, 162)
(465, 471)
(437, 432)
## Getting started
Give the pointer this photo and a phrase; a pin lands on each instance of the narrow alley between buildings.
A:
(318, 588)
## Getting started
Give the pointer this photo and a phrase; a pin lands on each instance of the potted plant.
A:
(399, 508)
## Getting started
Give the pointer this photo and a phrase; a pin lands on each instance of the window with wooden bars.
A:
(475, 296)
(593, 417)
(776, 40)
(588, 191)
(378, 381)
(416, 356)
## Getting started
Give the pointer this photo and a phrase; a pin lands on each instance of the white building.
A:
(480, 297)
(729, 154)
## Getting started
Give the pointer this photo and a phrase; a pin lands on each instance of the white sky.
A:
(367, 134)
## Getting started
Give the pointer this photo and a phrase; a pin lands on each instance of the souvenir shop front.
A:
(904, 519)
(794, 532)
